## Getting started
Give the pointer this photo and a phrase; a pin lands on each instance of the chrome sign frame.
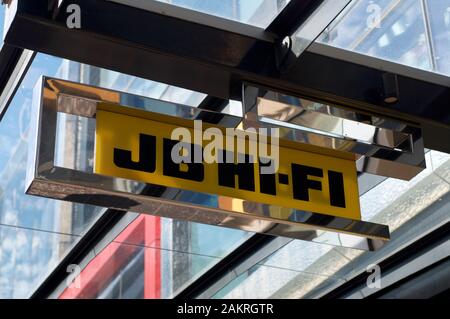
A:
(44, 178)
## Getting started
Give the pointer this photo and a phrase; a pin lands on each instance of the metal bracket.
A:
(380, 145)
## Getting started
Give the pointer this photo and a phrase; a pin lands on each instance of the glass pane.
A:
(26, 258)
(194, 238)
(259, 13)
(153, 257)
(388, 29)
(439, 20)
(261, 282)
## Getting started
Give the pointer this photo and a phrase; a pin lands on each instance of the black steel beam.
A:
(12, 57)
(214, 61)
(429, 282)
(9, 59)
(144, 44)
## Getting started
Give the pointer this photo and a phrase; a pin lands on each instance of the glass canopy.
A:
(259, 13)
(36, 233)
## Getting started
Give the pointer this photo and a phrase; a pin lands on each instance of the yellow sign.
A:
(138, 146)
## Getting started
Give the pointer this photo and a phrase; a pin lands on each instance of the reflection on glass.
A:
(26, 257)
(46, 228)
(151, 89)
(411, 32)
(257, 286)
(439, 24)
(152, 258)
(259, 13)
(62, 223)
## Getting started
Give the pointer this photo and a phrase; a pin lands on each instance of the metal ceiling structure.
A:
(223, 54)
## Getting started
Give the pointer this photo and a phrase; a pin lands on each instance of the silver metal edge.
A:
(51, 181)
(372, 159)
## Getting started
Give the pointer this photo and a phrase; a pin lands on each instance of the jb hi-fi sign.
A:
(248, 164)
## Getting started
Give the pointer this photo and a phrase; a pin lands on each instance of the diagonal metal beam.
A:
(292, 16)
(14, 63)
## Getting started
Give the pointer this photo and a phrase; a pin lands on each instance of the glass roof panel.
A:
(26, 257)
(411, 32)
(259, 13)
(153, 257)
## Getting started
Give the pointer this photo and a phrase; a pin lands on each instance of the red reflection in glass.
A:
(103, 268)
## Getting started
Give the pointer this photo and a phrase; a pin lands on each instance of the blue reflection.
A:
(35, 233)
(411, 32)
